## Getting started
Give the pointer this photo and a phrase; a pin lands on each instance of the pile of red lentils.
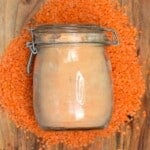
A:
(128, 84)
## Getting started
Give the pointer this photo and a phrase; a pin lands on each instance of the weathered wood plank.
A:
(13, 15)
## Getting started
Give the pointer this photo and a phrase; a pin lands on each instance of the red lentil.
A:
(16, 85)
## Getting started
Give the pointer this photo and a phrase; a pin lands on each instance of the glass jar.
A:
(72, 86)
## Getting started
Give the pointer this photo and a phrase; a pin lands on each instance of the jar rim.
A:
(69, 28)
(90, 33)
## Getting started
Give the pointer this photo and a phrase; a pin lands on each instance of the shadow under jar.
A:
(72, 86)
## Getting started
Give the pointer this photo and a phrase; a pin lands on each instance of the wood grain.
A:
(14, 14)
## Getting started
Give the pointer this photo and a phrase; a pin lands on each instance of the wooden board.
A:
(14, 14)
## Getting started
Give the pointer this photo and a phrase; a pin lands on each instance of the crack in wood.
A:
(26, 1)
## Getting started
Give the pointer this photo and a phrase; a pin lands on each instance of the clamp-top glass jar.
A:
(72, 86)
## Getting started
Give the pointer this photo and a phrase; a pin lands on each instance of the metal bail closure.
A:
(33, 49)
(114, 40)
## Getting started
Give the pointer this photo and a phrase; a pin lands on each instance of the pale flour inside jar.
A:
(72, 86)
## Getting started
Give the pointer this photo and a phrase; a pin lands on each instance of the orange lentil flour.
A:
(128, 84)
